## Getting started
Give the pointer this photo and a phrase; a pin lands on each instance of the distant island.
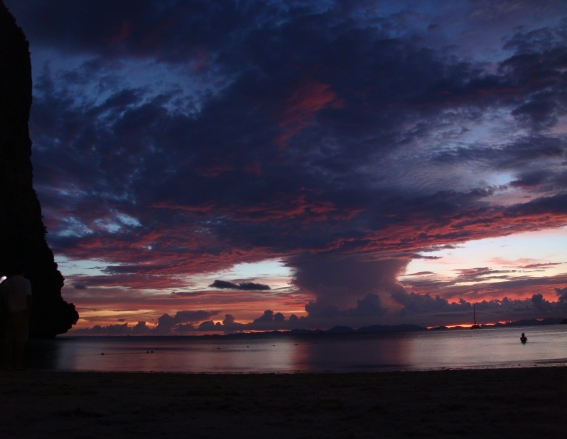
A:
(373, 329)
(525, 322)
(377, 329)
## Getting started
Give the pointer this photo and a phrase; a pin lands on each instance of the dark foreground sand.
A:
(511, 403)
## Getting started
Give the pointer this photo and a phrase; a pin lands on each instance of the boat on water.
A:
(475, 325)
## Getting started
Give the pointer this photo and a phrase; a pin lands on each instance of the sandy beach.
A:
(503, 403)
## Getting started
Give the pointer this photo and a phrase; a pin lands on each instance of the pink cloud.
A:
(303, 105)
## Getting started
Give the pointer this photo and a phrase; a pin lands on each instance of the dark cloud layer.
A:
(247, 286)
(182, 138)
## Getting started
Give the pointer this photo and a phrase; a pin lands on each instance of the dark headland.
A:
(22, 233)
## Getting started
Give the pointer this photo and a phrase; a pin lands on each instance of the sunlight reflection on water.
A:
(316, 353)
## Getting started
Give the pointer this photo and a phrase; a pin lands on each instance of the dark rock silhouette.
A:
(22, 233)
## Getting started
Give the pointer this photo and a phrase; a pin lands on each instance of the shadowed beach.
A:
(503, 403)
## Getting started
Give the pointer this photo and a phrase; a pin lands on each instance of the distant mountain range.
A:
(525, 322)
(375, 329)
(364, 330)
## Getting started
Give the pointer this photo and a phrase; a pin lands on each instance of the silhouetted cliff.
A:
(22, 233)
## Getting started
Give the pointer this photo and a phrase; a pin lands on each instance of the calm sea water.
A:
(483, 348)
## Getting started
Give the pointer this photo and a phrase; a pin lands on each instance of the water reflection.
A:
(39, 354)
(177, 354)
(315, 353)
(490, 347)
(353, 352)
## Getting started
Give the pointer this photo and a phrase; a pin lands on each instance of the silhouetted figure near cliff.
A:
(16, 294)
(22, 233)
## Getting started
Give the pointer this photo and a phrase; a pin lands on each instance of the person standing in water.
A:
(523, 338)
(17, 295)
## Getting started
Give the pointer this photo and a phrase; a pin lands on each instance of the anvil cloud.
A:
(174, 141)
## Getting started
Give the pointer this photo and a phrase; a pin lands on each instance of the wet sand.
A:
(503, 403)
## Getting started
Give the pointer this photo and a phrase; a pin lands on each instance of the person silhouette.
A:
(523, 338)
(16, 294)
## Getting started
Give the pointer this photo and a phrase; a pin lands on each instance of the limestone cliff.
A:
(22, 233)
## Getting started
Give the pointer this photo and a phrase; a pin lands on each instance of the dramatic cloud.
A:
(562, 295)
(168, 324)
(340, 281)
(174, 141)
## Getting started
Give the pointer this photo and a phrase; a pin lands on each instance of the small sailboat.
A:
(475, 325)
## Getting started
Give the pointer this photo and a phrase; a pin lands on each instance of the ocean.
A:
(444, 349)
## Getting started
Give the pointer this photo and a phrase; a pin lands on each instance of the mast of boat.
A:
(474, 313)
(475, 325)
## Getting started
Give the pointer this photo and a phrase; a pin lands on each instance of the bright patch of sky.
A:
(70, 267)
(264, 269)
(114, 225)
(515, 252)
(71, 226)
(270, 272)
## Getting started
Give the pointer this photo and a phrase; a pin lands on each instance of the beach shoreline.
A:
(516, 402)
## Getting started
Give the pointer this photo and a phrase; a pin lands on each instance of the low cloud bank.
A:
(355, 291)
(181, 323)
(423, 309)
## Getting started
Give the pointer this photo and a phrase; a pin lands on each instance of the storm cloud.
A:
(346, 140)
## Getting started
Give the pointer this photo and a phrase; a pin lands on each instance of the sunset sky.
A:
(251, 165)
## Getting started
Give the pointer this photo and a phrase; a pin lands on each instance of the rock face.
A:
(22, 233)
